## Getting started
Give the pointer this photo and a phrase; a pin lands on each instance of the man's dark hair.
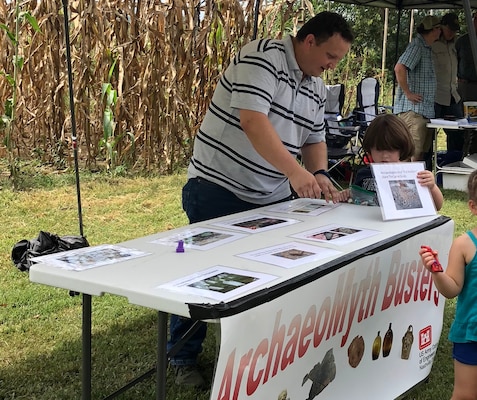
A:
(324, 25)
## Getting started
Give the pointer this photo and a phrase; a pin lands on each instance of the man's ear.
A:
(310, 40)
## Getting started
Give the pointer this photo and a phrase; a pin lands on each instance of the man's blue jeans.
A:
(201, 200)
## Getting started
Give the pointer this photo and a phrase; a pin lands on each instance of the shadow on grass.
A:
(122, 352)
(440, 381)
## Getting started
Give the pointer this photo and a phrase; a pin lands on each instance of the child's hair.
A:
(389, 132)
(472, 185)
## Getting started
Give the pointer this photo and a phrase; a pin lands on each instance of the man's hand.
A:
(304, 184)
(414, 97)
(313, 187)
(328, 190)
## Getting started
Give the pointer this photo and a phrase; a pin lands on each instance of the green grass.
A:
(40, 326)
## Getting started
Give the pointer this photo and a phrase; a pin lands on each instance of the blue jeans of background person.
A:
(455, 137)
(201, 200)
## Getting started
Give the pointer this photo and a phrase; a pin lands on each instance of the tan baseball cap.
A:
(430, 22)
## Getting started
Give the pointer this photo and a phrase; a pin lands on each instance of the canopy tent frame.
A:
(401, 5)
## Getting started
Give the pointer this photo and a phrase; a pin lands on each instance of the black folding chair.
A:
(366, 103)
(341, 134)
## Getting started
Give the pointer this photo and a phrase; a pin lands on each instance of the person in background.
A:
(267, 109)
(460, 280)
(388, 140)
(447, 100)
(467, 80)
(416, 80)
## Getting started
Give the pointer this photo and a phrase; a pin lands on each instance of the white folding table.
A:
(138, 281)
(438, 124)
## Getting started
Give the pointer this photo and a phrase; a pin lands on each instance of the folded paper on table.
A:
(448, 122)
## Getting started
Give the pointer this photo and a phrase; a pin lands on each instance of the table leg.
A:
(161, 368)
(86, 343)
(434, 157)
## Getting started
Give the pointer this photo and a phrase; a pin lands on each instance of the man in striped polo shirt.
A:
(267, 109)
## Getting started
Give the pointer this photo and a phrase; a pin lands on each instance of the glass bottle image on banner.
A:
(407, 340)
(388, 341)
(376, 346)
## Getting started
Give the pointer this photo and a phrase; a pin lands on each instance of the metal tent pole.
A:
(256, 13)
(72, 111)
(470, 24)
(396, 53)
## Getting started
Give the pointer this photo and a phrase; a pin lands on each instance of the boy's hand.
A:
(426, 178)
(344, 196)
(430, 260)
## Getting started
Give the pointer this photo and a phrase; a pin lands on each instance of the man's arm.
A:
(401, 78)
(268, 144)
(315, 156)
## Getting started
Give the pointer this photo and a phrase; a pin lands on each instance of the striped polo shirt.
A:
(265, 77)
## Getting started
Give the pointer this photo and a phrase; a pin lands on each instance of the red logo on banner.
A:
(425, 337)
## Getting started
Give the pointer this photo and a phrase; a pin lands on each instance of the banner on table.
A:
(369, 330)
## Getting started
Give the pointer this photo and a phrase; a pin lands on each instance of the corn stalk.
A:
(8, 118)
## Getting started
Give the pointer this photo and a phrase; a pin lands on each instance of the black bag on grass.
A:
(45, 243)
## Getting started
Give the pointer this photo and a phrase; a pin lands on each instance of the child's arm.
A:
(426, 178)
(449, 282)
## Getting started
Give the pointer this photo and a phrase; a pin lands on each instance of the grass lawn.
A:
(40, 326)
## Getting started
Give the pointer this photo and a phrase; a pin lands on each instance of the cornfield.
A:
(143, 73)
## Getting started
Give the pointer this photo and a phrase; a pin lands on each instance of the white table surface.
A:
(436, 127)
(137, 279)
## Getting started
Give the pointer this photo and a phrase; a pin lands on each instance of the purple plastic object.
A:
(180, 246)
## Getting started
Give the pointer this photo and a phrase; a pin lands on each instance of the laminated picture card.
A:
(400, 195)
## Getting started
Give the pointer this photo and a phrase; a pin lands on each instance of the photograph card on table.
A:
(289, 255)
(256, 223)
(400, 195)
(219, 282)
(89, 257)
(304, 207)
(336, 234)
(200, 238)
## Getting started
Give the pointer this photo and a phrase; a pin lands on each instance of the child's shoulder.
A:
(466, 245)
(470, 234)
(466, 240)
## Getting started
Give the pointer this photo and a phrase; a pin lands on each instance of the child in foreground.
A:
(388, 140)
(460, 279)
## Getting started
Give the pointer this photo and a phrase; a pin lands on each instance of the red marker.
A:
(436, 265)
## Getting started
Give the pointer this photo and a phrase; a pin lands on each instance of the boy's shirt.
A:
(365, 179)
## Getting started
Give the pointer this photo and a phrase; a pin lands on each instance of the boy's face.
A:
(385, 156)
